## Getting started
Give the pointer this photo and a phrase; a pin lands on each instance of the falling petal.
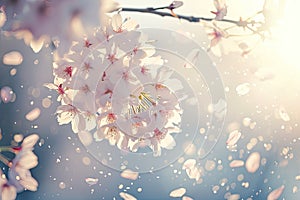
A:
(36, 45)
(243, 89)
(236, 163)
(283, 114)
(190, 163)
(275, 194)
(178, 192)
(253, 162)
(210, 165)
(91, 181)
(2, 17)
(264, 74)
(247, 121)
(233, 138)
(6, 94)
(30, 141)
(234, 197)
(33, 114)
(186, 198)
(128, 174)
(8, 193)
(18, 138)
(13, 71)
(127, 196)
(13, 58)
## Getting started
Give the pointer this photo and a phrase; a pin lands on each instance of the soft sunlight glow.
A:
(287, 33)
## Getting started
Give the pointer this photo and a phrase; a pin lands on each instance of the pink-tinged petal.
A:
(2, 16)
(253, 162)
(129, 174)
(12, 58)
(234, 197)
(9, 192)
(190, 163)
(219, 4)
(168, 142)
(214, 41)
(33, 114)
(177, 192)
(30, 141)
(29, 183)
(186, 198)
(193, 173)
(130, 25)
(233, 138)
(28, 160)
(275, 194)
(127, 196)
(37, 45)
(117, 23)
(236, 163)
(91, 181)
(50, 86)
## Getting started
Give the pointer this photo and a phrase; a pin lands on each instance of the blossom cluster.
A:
(36, 21)
(19, 175)
(113, 83)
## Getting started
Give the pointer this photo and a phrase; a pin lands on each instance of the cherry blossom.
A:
(19, 174)
(113, 76)
(221, 7)
(64, 94)
(191, 169)
(216, 34)
(7, 191)
(70, 114)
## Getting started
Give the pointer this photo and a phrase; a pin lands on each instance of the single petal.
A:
(129, 174)
(168, 142)
(29, 183)
(275, 194)
(28, 160)
(30, 141)
(177, 192)
(253, 162)
(127, 196)
(9, 192)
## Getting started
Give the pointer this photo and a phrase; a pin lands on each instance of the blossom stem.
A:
(6, 149)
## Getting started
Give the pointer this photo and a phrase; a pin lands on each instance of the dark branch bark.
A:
(168, 14)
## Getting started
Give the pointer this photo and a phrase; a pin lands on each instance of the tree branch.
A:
(184, 17)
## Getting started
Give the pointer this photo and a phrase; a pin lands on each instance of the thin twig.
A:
(184, 17)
